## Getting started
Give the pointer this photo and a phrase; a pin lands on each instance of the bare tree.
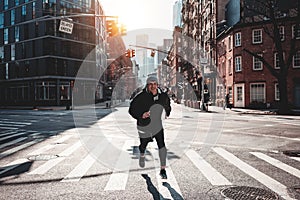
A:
(271, 11)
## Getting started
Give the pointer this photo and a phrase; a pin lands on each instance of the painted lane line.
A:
(51, 163)
(15, 135)
(79, 171)
(272, 184)
(13, 142)
(50, 146)
(296, 158)
(293, 171)
(9, 122)
(18, 148)
(164, 191)
(211, 174)
(119, 177)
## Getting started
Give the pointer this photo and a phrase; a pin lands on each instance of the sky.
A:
(141, 14)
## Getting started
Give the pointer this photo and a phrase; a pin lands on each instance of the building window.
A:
(257, 93)
(281, 33)
(238, 63)
(229, 43)
(5, 5)
(239, 93)
(237, 39)
(24, 10)
(17, 33)
(1, 54)
(276, 61)
(33, 10)
(257, 36)
(12, 17)
(5, 36)
(229, 66)
(296, 60)
(6, 71)
(17, 2)
(295, 33)
(45, 90)
(1, 20)
(13, 52)
(257, 64)
(277, 94)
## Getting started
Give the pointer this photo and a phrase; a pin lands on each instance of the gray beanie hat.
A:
(151, 79)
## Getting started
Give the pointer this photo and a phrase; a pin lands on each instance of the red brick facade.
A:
(239, 82)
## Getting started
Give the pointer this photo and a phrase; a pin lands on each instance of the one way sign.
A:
(66, 26)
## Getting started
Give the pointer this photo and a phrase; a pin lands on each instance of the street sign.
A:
(66, 26)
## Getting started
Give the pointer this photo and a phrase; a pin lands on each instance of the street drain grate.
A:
(42, 157)
(248, 193)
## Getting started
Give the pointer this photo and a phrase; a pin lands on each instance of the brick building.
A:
(244, 76)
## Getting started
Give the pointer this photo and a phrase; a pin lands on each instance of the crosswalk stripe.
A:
(12, 142)
(274, 185)
(84, 165)
(211, 174)
(18, 148)
(171, 177)
(9, 128)
(50, 146)
(278, 164)
(118, 179)
(21, 123)
(296, 158)
(13, 125)
(80, 169)
(51, 163)
(13, 135)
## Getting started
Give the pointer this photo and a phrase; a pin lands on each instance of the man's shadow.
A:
(155, 193)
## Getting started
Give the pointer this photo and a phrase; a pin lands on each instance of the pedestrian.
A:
(227, 103)
(147, 108)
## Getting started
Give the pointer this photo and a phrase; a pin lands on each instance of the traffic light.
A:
(152, 53)
(112, 28)
(130, 53)
(123, 30)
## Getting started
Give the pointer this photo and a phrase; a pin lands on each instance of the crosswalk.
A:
(213, 166)
(119, 177)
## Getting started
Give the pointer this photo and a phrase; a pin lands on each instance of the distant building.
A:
(39, 63)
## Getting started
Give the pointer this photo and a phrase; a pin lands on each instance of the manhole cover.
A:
(248, 193)
(42, 157)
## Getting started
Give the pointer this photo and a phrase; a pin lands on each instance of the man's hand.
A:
(146, 115)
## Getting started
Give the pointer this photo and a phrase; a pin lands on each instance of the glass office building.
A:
(39, 63)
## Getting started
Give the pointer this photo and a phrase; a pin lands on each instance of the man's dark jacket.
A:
(145, 101)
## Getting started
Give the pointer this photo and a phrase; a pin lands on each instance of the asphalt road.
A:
(92, 154)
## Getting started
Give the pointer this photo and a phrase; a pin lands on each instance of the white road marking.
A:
(50, 146)
(293, 171)
(118, 179)
(51, 163)
(16, 134)
(18, 148)
(163, 190)
(274, 185)
(78, 172)
(12, 142)
(296, 158)
(211, 174)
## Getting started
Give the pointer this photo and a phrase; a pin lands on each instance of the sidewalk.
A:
(249, 111)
